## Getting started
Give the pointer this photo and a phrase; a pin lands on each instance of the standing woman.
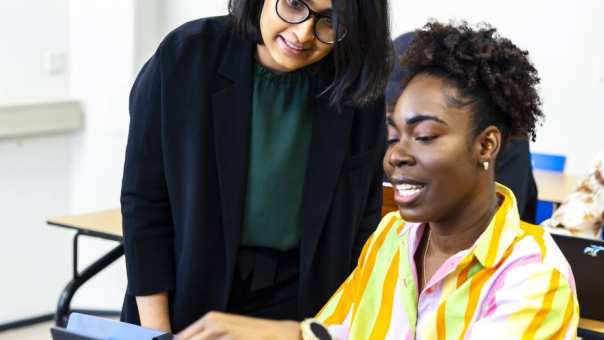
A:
(252, 175)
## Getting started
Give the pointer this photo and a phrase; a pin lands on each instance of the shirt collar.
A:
(501, 232)
(497, 237)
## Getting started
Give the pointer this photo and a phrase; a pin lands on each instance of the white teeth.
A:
(408, 189)
(292, 46)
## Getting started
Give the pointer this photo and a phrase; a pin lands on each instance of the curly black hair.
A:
(492, 74)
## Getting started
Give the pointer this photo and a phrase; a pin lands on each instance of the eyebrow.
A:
(326, 12)
(423, 117)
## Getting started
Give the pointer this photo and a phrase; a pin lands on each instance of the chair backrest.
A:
(549, 162)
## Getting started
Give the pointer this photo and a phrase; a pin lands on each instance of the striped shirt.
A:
(513, 283)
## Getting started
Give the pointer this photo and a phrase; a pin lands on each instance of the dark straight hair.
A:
(358, 67)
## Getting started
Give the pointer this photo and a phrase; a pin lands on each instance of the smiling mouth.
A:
(407, 191)
(297, 48)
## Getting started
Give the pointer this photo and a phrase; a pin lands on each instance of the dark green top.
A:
(279, 142)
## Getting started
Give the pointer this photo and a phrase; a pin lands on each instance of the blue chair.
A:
(548, 162)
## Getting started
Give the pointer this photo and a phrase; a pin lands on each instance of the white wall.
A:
(566, 43)
(34, 172)
(176, 13)
(29, 30)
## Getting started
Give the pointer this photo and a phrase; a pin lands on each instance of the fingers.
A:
(197, 328)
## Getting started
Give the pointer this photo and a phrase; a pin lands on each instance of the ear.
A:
(487, 146)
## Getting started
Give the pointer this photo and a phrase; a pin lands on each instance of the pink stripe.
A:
(500, 281)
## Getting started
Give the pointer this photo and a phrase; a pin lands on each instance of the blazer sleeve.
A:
(147, 222)
(373, 208)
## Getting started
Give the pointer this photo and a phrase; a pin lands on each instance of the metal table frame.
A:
(81, 277)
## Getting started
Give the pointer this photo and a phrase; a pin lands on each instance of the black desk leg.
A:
(80, 278)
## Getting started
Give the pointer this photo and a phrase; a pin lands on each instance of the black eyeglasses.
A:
(297, 12)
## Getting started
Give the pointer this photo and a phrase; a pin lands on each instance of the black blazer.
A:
(185, 177)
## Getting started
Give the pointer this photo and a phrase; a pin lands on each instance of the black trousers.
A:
(265, 284)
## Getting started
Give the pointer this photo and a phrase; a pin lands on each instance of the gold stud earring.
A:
(485, 165)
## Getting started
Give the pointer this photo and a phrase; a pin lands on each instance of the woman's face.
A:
(432, 159)
(289, 47)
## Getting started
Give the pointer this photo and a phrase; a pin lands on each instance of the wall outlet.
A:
(55, 63)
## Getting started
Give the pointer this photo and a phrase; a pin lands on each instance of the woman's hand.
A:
(215, 326)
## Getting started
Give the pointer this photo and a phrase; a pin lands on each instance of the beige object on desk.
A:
(592, 325)
(554, 186)
(106, 222)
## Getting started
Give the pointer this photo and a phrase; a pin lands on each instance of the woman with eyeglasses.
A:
(253, 167)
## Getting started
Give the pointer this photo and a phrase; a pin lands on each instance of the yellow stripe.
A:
(497, 231)
(478, 281)
(440, 321)
(570, 305)
(546, 306)
(370, 263)
(382, 324)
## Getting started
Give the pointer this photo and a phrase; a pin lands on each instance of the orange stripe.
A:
(440, 321)
(466, 263)
(570, 305)
(363, 255)
(382, 324)
(370, 263)
(546, 306)
(400, 228)
(347, 288)
(537, 233)
(478, 281)
(497, 231)
(341, 310)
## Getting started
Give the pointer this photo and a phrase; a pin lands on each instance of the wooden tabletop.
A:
(592, 325)
(105, 224)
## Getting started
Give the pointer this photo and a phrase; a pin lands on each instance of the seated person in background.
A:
(513, 168)
(582, 214)
(455, 261)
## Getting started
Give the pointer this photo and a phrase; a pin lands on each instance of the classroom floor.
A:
(40, 331)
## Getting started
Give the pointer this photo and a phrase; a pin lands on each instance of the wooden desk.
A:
(388, 204)
(554, 186)
(592, 325)
(103, 224)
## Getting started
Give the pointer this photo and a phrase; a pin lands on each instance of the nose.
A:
(399, 157)
(304, 30)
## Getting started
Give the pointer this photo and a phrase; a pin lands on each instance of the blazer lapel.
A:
(328, 148)
(231, 107)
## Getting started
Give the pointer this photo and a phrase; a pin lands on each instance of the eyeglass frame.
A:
(317, 16)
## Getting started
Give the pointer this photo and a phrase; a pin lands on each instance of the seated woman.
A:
(455, 262)
(513, 168)
(582, 214)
